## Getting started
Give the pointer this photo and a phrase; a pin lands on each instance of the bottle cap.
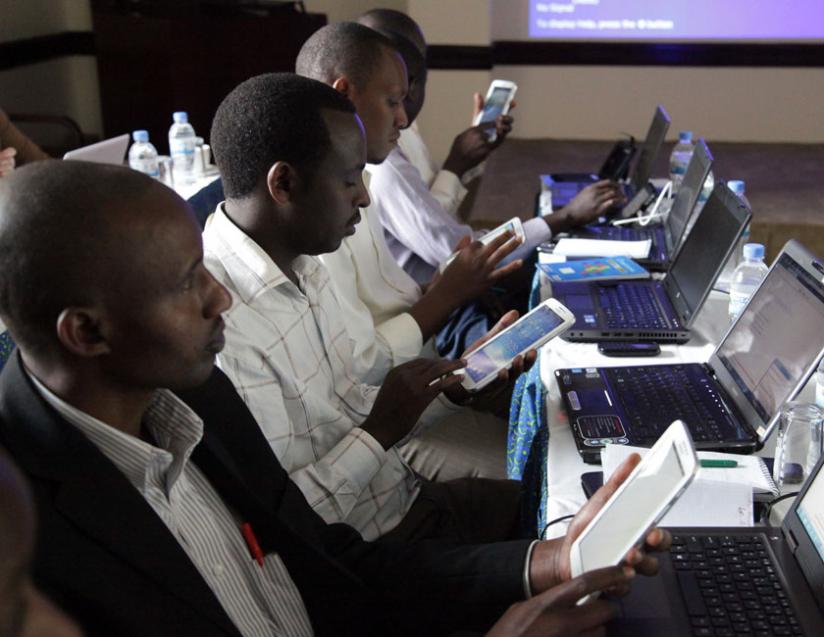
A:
(754, 251)
(737, 186)
(685, 136)
(140, 136)
(180, 117)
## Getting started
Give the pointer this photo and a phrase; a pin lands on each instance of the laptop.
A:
(736, 581)
(660, 311)
(729, 403)
(109, 151)
(565, 186)
(666, 237)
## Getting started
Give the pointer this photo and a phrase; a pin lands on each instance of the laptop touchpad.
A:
(579, 303)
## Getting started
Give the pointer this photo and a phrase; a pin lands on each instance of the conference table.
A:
(564, 465)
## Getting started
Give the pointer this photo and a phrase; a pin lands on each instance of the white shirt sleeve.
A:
(448, 190)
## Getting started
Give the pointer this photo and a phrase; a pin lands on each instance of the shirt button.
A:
(218, 570)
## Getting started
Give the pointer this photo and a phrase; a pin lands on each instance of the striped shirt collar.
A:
(175, 427)
(259, 271)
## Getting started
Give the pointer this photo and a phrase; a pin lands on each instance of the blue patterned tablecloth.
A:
(527, 443)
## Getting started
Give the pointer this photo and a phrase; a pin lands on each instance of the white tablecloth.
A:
(564, 465)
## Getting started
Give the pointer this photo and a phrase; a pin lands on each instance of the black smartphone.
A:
(619, 348)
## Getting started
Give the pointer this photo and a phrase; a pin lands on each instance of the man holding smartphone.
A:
(421, 232)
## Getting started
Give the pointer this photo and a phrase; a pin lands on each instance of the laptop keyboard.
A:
(631, 306)
(730, 587)
(655, 395)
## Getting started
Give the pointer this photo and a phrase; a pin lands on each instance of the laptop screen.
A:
(777, 338)
(688, 193)
(696, 266)
(652, 145)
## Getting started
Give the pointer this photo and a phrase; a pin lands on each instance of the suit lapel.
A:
(96, 496)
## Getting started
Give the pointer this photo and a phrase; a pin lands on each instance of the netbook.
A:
(667, 237)
(737, 581)
(109, 151)
(660, 311)
(565, 186)
(731, 402)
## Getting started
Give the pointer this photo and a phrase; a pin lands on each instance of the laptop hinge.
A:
(791, 541)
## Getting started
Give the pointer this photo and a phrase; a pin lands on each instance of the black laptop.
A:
(660, 311)
(565, 186)
(732, 401)
(718, 582)
(666, 237)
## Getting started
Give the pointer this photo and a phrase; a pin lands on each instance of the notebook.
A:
(659, 311)
(733, 581)
(565, 187)
(593, 270)
(731, 402)
(669, 236)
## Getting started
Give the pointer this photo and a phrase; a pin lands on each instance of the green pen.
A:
(718, 464)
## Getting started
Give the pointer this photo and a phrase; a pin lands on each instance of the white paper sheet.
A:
(603, 248)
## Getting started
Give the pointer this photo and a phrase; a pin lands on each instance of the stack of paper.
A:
(717, 497)
(603, 248)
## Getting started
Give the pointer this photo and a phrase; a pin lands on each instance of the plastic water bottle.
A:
(819, 386)
(182, 147)
(746, 278)
(737, 187)
(142, 155)
(680, 158)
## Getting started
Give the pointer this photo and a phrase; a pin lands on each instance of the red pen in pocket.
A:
(252, 543)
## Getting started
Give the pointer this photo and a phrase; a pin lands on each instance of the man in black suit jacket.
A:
(103, 287)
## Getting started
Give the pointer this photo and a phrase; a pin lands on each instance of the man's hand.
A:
(497, 395)
(554, 613)
(406, 392)
(589, 204)
(7, 161)
(550, 563)
(474, 269)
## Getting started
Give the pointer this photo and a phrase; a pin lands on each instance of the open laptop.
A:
(660, 311)
(666, 237)
(732, 401)
(109, 151)
(565, 186)
(737, 581)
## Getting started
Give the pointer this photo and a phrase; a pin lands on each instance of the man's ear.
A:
(281, 181)
(81, 331)
(343, 85)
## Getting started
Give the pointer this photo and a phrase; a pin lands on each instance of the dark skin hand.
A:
(550, 563)
(473, 271)
(406, 392)
(555, 613)
(473, 146)
(589, 204)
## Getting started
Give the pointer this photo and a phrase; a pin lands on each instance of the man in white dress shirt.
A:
(390, 317)
(291, 152)
(420, 231)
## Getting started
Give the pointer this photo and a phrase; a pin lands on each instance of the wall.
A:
(588, 102)
(64, 86)
(344, 10)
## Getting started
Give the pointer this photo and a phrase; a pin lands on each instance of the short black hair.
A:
(269, 118)
(342, 48)
(391, 22)
(55, 218)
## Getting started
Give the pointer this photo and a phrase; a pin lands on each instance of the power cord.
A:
(643, 220)
(563, 518)
(765, 514)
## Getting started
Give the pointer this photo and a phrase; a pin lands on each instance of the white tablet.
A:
(514, 226)
(638, 504)
(531, 331)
